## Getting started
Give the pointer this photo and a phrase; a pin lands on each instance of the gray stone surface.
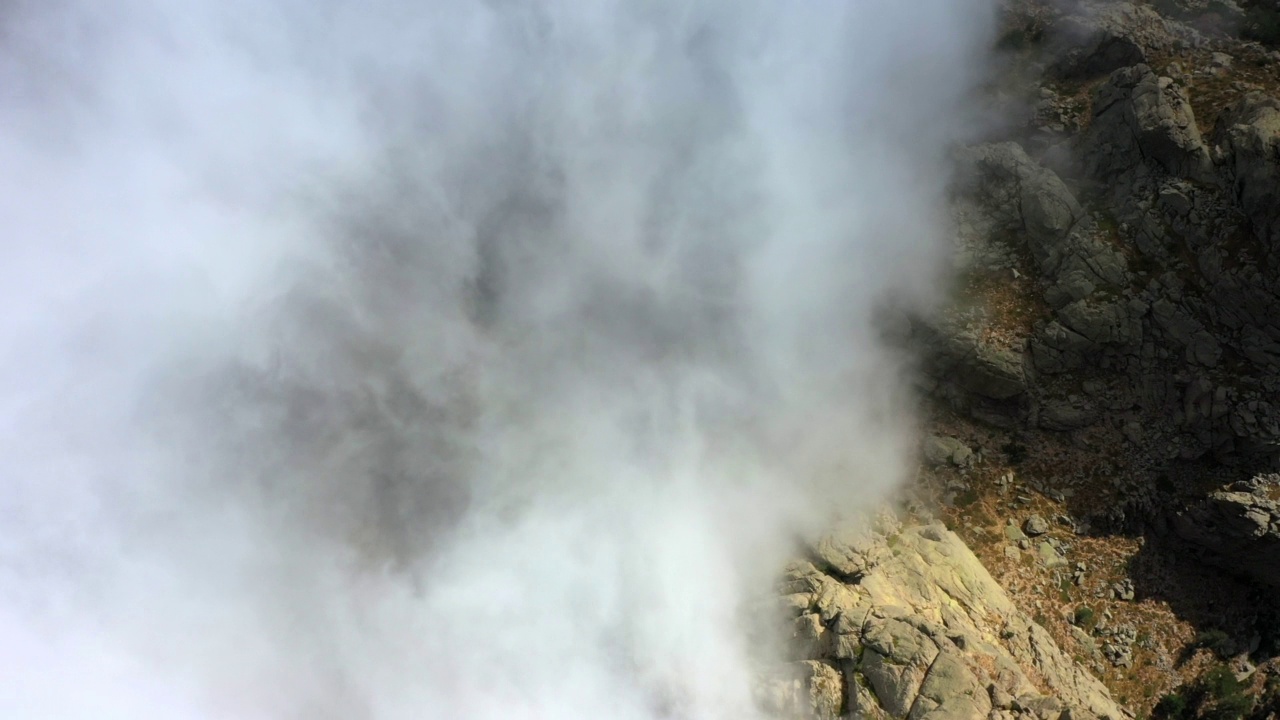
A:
(947, 451)
(1095, 38)
(1141, 118)
(1035, 526)
(1249, 135)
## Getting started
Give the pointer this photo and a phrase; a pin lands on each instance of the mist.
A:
(448, 359)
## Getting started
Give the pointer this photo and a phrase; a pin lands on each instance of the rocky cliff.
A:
(1110, 361)
(906, 622)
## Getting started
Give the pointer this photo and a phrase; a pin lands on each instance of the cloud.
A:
(447, 359)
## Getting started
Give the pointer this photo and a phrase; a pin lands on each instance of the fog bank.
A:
(447, 359)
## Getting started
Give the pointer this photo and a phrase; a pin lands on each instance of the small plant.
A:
(1215, 640)
(1217, 695)
(966, 498)
(1227, 695)
(1171, 707)
(1272, 686)
(1084, 617)
(1016, 452)
(1221, 683)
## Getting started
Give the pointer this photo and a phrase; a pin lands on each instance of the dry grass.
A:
(1211, 93)
(1051, 597)
(1008, 301)
(1095, 466)
(1165, 656)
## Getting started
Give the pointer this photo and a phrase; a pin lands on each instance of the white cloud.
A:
(446, 359)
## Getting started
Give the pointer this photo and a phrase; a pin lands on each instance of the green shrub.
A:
(1216, 640)
(1227, 700)
(1221, 682)
(1217, 695)
(1084, 616)
(1233, 707)
(966, 498)
(1171, 707)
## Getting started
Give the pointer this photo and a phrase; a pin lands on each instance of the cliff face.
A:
(1111, 361)
(906, 622)
(1152, 250)
(1139, 204)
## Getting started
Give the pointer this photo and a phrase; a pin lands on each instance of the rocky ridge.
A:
(907, 623)
(1103, 398)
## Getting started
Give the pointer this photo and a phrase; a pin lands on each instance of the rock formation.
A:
(907, 623)
(1118, 262)
(1238, 527)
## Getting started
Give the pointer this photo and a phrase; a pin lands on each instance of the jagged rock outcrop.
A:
(1218, 16)
(1004, 193)
(1193, 335)
(1130, 262)
(985, 380)
(1019, 195)
(1238, 528)
(806, 689)
(923, 631)
(1008, 193)
(1094, 38)
(1248, 136)
(1140, 118)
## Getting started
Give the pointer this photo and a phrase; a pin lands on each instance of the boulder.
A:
(928, 633)
(1022, 196)
(989, 371)
(1238, 528)
(850, 551)
(1219, 17)
(951, 691)
(1098, 38)
(974, 375)
(1142, 119)
(896, 662)
(1015, 195)
(1058, 349)
(1248, 135)
(940, 450)
(808, 690)
(1104, 323)
(1067, 414)
(1036, 526)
